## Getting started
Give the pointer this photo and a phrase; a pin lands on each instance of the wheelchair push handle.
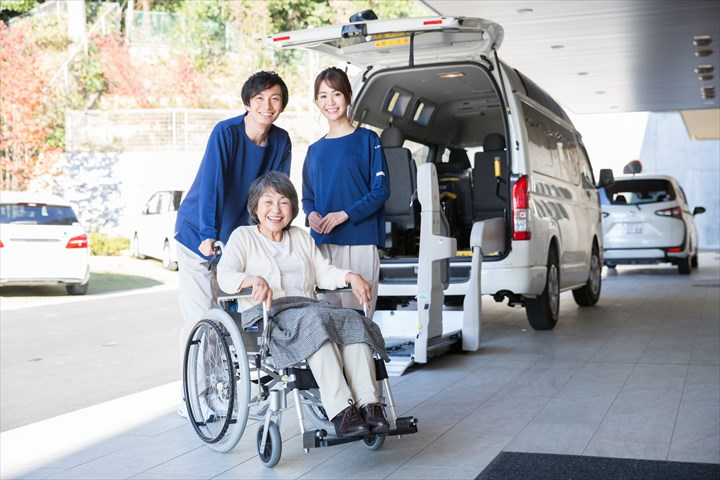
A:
(218, 247)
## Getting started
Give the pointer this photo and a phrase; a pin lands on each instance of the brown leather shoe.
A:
(374, 415)
(350, 423)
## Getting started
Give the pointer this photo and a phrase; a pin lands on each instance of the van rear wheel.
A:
(589, 294)
(542, 312)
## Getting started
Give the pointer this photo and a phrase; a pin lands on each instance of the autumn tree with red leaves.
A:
(24, 152)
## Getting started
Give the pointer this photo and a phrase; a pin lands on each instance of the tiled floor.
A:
(638, 376)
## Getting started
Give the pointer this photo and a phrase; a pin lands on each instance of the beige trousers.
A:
(344, 374)
(361, 259)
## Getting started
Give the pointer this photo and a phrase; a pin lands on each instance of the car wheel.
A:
(589, 294)
(542, 312)
(136, 248)
(166, 260)
(694, 261)
(684, 265)
(77, 288)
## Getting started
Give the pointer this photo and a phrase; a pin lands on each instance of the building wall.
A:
(667, 149)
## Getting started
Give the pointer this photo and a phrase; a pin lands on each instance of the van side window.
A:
(586, 173)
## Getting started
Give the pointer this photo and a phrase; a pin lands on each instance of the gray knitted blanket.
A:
(301, 325)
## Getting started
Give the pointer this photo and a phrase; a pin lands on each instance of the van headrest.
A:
(494, 142)
(392, 137)
(459, 158)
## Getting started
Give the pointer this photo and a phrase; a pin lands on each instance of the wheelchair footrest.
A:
(320, 438)
(404, 425)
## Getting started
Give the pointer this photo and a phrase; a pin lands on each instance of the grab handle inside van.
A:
(498, 179)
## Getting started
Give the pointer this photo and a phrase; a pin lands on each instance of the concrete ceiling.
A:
(612, 56)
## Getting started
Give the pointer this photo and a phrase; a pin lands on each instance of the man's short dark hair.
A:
(277, 182)
(260, 81)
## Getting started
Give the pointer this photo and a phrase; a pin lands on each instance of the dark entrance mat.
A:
(540, 466)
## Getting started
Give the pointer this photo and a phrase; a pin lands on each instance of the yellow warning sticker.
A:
(395, 41)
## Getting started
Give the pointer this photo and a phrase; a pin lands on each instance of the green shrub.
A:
(101, 244)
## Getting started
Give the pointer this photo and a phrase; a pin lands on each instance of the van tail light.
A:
(522, 229)
(675, 212)
(674, 250)
(81, 241)
(1, 244)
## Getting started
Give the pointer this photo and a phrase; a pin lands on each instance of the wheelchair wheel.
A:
(216, 381)
(270, 455)
(374, 442)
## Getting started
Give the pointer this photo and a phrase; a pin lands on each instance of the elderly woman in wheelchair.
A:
(271, 271)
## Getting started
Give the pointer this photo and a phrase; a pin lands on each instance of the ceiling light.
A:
(600, 92)
(703, 53)
(702, 40)
(582, 73)
(525, 10)
(451, 75)
(704, 69)
(557, 47)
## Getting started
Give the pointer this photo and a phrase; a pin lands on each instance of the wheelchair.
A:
(229, 378)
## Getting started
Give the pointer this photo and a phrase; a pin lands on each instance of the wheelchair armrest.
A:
(333, 290)
(226, 297)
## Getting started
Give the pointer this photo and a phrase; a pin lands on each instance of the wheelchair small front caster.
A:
(270, 454)
(374, 442)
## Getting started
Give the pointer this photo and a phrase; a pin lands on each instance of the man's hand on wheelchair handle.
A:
(206, 247)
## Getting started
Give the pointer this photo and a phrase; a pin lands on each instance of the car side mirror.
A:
(697, 210)
(606, 177)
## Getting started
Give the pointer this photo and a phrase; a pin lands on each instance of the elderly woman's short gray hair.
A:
(277, 182)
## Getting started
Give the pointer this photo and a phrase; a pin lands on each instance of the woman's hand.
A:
(360, 288)
(206, 247)
(332, 220)
(261, 291)
(315, 220)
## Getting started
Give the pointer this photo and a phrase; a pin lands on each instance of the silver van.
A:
(492, 191)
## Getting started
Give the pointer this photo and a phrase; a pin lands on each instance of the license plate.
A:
(633, 228)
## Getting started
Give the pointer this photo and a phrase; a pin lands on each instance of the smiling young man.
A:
(238, 151)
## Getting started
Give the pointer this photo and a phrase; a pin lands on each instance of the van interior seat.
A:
(401, 208)
(455, 177)
(489, 191)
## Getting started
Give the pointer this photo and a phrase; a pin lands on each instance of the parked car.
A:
(488, 154)
(647, 220)
(153, 235)
(42, 242)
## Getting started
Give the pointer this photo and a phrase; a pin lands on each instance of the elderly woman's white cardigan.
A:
(246, 254)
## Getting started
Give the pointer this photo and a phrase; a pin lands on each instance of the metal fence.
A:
(166, 129)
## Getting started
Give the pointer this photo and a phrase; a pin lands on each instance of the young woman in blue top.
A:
(345, 186)
(238, 151)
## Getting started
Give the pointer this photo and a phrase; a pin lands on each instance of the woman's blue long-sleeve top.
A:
(216, 203)
(348, 173)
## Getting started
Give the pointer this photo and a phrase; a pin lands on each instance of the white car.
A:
(647, 220)
(153, 235)
(42, 242)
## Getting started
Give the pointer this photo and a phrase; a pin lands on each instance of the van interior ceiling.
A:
(459, 114)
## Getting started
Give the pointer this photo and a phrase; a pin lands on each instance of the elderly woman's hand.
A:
(360, 288)
(261, 291)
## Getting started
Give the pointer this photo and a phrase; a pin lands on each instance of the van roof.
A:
(386, 43)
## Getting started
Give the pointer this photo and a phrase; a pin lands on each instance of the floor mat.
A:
(539, 466)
